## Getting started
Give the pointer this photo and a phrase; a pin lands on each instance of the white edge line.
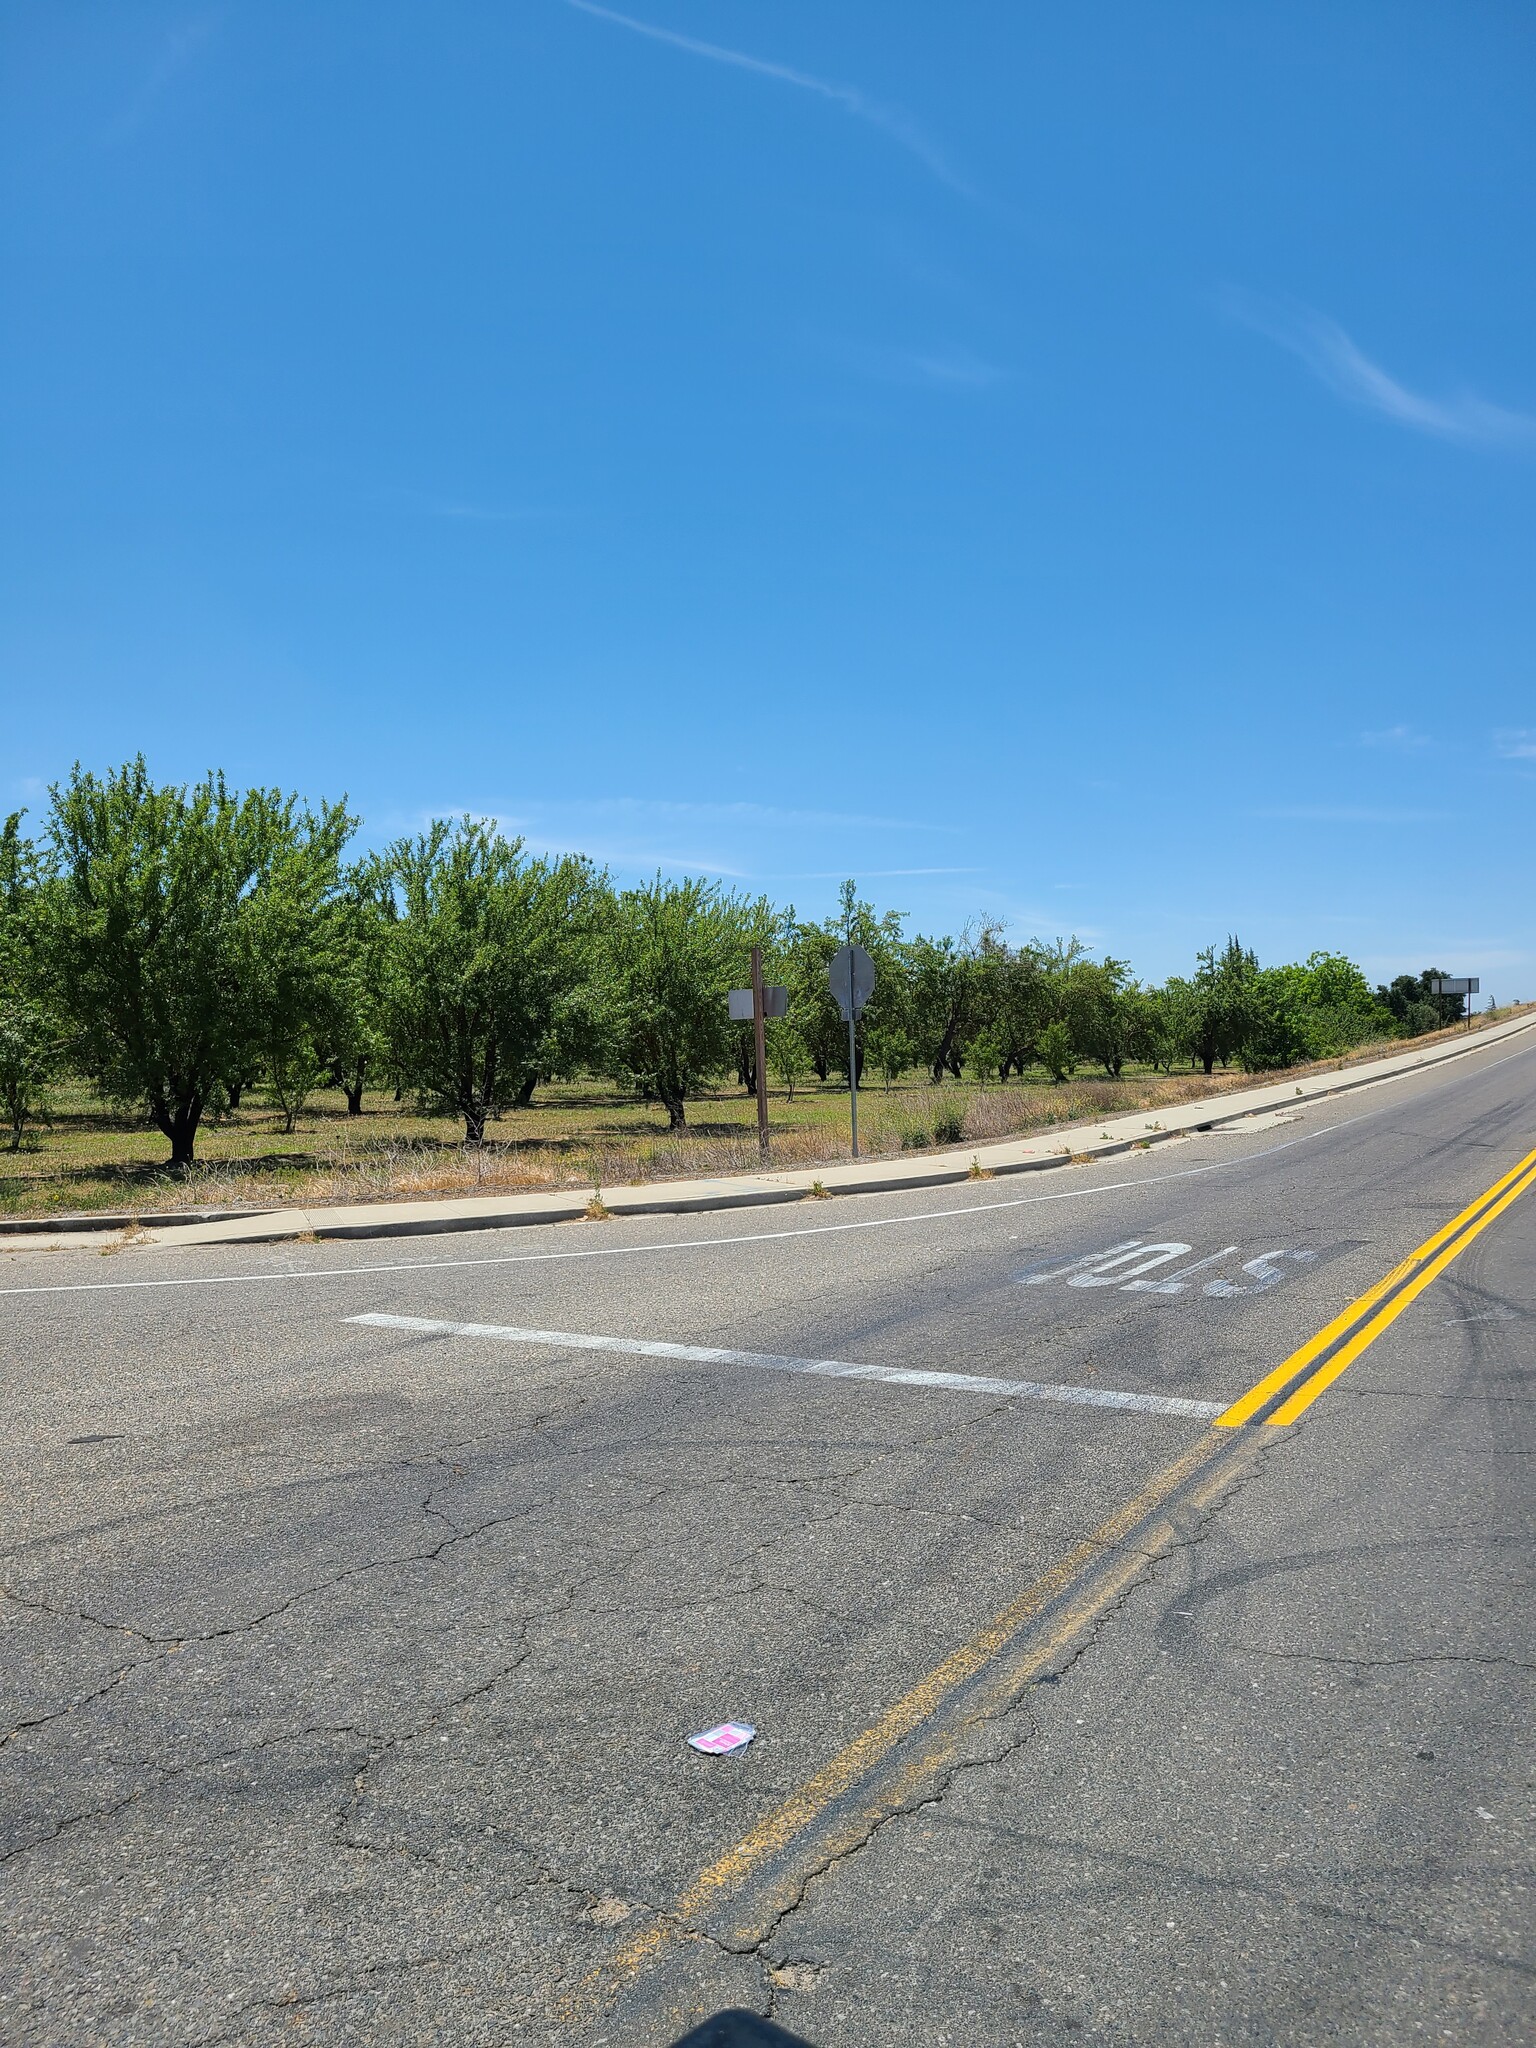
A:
(820, 1368)
(681, 1244)
(693, 1244)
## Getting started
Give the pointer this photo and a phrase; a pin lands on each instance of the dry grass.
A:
(575, 1135)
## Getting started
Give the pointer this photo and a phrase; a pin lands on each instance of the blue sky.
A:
(1071, 466)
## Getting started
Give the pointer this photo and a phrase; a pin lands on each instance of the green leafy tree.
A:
(809, 951)
(1064, 993)
(1274, 1017)
(30, 1037)
(350, 1031)
(671, 951)
(1012, 1000)
(490, 954)
(1104, 1013)
(293, 960)
(984, 1056)
(949, 983)
(891, 1051)
(788, 1059)
(1057, 1053)
(157, 927)
(1161, 1026)
(1222, 1002)
(1415, 1008)
(1330, 1004)
(811, 1008)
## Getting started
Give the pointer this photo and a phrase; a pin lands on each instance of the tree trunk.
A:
(819, 1062)
(355, 1098)
(1208, 1060)
(945, 1056)
(673, 1105)
(525, 1093)
(474, 1124)
(234, 1090)
(180, 1126)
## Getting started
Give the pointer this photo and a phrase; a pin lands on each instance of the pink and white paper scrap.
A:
(722, 1740)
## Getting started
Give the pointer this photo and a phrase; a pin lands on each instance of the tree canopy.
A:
(489, 980)
(170, 944)
(177, 922)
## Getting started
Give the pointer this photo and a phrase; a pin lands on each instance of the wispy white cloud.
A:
(1516, 743)
(1396, 739)
(1333, 356)
(735, 841)
(898, 125)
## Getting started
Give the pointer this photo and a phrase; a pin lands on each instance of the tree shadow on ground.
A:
(126, 1178)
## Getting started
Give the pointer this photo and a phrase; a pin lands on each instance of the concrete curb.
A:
(1002, 1157)
(122, 1219)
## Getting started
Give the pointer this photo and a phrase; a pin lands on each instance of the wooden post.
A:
(759, 1053)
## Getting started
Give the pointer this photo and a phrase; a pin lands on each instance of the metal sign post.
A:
(851, 978)
(853, 1062)
(757, 1004)
(760, 1063)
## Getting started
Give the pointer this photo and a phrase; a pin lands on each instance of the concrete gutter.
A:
(1244, 1110)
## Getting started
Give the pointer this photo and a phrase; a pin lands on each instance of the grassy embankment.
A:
(89, 1157)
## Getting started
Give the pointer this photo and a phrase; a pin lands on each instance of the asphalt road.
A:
(348, 1666)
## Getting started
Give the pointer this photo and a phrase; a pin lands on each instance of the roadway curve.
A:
(348, 1665)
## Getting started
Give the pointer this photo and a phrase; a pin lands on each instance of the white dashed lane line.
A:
(819, 1368)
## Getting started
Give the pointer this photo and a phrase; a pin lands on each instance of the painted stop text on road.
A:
(1137, 1266)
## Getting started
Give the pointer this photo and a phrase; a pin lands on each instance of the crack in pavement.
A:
(1161, 1870)
(994, 1710)
(1379, 1663)
(330, 1475)
(296, 1599)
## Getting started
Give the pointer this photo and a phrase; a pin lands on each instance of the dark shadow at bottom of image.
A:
(735, 2028)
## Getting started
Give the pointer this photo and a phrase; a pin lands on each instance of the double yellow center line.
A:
(1297, 1381)
(906, 1755)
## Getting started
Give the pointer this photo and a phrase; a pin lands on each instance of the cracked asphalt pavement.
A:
(348, 1668)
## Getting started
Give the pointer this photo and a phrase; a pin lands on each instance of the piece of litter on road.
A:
(722, 1740)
